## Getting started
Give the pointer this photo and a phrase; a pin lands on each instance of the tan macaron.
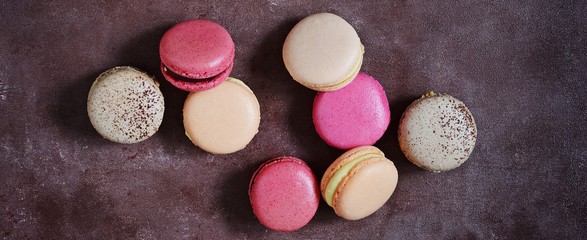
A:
(323, 52)
(359, 182)
(437, 132)
(125, 105)
(223, 119)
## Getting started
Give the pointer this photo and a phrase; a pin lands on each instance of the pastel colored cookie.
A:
(223, 119)
(437, 132)
(359, 182)
(284, 194)
(125, 105)
(323, 52)
(353, 116)
(196, 55)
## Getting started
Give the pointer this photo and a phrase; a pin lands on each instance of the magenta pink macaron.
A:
(196, 55)
(355, 115)
(284, 194)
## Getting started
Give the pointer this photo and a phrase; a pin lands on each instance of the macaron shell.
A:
(366, 189)
(197, 49)
(272, 161)
(340, 84)
(223, 119)
(284, 194)
(343, 160)
(353, 116)
(196, 85)
(125, 105)
(322, 51)
(437, 133)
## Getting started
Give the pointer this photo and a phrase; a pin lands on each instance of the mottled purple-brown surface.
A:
(520, 66)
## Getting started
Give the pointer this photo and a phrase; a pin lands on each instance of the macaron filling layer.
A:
(341, 173)
(180, 78)
(194, 84)
(353, 73)
(346, 79)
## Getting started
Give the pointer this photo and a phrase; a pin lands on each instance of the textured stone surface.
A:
(520, 67)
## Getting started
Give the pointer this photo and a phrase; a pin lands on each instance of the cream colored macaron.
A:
(437, 132)
(359, 182)
(223, 119)
(125, 105)
(323, 52)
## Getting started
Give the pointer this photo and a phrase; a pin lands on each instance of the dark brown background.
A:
(520, 66)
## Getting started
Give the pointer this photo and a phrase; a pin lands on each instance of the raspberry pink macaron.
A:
(196, 55)
(353, 116)
(284, 194)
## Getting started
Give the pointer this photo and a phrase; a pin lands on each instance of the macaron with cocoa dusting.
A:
(125, 105)
(437, 132)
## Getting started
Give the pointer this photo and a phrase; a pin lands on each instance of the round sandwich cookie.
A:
(437, 132)
(353, 116)
(223, 119)
(125, 105)
(284, 194)
(196, 55)
(359, 182)
(323, 52)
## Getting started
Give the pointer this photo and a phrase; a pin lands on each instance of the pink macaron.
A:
(353, 116)
(196, 55)
(284, 194)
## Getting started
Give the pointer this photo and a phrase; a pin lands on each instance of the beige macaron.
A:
(359, 182)
(323, 52)
(223, 119)
(125, 105)
(437, 132)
